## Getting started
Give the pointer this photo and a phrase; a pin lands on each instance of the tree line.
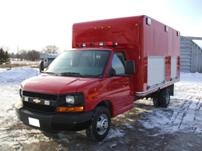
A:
(31, 55)
(4, 56)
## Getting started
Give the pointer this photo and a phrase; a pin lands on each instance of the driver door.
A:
(119, 86)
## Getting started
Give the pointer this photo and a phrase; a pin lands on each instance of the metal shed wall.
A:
(191, 55)
(185, 60)
(196, 60)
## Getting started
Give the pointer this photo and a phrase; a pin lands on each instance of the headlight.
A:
(76, 99)
(70, 99)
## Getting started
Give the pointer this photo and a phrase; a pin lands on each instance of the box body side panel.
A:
(162, 41)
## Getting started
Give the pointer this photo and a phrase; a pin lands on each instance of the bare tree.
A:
(32, 55)
(50, 49)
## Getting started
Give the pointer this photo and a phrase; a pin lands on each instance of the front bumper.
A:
(56, 121)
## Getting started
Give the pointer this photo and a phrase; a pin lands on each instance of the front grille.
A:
(38, 107)
(40, 95)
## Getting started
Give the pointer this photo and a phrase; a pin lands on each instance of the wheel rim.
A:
(102, 124)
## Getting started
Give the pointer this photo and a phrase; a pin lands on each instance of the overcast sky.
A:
(33, 24)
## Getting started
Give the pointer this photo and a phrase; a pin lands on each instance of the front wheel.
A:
(100, 124)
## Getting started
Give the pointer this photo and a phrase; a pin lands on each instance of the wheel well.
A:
(106, 104)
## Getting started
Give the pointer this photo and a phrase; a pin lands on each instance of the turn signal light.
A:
(70, 109)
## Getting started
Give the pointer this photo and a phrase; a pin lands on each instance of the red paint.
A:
(130, 35)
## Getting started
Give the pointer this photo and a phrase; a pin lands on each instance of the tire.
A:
(155, 100)
(171, 90)
(100, 124)
(164, 97)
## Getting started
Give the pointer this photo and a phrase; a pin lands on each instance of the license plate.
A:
(33, 122)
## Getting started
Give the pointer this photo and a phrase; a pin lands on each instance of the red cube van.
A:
(114, 62)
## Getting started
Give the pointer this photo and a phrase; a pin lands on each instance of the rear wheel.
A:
(162, 98)
(156, 101)
(100, 124)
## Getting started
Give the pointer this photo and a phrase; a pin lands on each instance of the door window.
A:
(117, 65)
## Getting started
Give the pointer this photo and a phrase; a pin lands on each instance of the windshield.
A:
(89, 63)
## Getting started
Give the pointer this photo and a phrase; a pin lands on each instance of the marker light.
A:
(116, 43)
(166, 28)
(109, 43)
(148, 21)
(101, 43)
(46, 102)
(70, 109)
(83, 44)
(26, 99)
(177, 33)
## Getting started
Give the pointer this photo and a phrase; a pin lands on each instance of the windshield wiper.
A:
(93, 76)
(49, 73)
(78, 74)
(70, 74)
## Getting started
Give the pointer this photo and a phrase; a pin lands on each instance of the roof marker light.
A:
(109, 43)
(101, 43)
(148, 21)
(166, 28)
(177, 33)
(116, 43)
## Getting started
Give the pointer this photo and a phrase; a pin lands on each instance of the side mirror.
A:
(41, 66)
(130, 67)
(112, 72)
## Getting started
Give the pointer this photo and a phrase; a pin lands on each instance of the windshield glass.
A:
(80, 63)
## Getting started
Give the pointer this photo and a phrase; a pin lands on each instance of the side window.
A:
(118, 65)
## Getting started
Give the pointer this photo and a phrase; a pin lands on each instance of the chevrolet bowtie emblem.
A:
(36, 101)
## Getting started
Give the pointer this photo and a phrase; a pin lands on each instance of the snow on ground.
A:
(9, 93)
(185, 111)
(16, 75)
(2, 69)
(114, 133)
(27, 62)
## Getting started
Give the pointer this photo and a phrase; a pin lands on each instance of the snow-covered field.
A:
(24, 62)
(183, 115)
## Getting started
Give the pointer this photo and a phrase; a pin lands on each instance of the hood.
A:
(55, 84)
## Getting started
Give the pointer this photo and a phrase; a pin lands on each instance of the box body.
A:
(153, 46)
